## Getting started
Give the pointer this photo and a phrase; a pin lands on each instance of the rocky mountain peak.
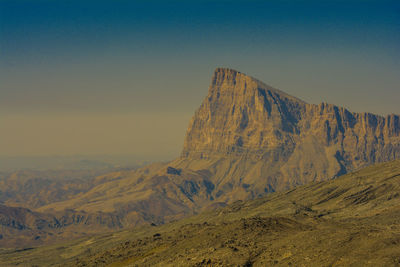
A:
(241, 114)
(225, 77)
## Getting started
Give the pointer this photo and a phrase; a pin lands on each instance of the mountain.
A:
(245, 141)
(272, 141)
(352, 220)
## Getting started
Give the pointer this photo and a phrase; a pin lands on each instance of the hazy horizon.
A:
(125, 77)
(76, 162)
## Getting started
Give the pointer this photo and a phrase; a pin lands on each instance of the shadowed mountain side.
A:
(351, 221)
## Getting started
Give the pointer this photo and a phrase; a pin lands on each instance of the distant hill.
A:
(34, 188)
(22, 228)
(353, 220)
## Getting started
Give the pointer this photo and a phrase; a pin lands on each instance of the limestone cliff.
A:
(260, 139)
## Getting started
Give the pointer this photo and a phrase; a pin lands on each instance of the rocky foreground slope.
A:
(353, 220)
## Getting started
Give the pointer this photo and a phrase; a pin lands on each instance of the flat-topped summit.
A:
(230, 79)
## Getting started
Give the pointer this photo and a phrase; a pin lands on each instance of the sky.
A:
(124, 77)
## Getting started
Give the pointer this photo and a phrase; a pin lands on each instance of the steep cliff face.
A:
(242, 115)
(264, 139)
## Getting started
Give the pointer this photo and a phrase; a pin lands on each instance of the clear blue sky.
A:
(116, 77)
